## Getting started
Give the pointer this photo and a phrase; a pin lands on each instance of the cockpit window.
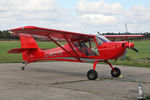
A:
(101, 39)
(88, 47)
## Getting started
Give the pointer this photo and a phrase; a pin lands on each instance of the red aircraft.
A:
(79, 47)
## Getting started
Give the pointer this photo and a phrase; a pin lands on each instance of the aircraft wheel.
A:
(92, 74)
(22, 68)
(117, 72)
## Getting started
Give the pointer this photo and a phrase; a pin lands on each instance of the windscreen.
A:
(101, 39)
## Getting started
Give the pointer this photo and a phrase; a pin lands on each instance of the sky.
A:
(84, 16)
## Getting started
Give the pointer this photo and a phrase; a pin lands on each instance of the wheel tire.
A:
(117, 73)
(92, 74)
(22, 68)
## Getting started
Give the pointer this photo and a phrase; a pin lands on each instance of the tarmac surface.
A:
(68, 81)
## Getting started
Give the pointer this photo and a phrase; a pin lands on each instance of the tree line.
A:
(146, 34)
(6, 35)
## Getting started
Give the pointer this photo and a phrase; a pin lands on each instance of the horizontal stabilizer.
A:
(20, 50)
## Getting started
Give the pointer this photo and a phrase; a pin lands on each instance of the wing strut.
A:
(62, 47)
(77, 57)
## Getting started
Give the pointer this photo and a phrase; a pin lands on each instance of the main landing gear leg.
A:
(92, 74)
(25, 64)
(115, 72)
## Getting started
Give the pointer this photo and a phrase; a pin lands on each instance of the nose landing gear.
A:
(116, 73)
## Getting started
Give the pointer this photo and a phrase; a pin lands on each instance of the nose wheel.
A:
(116, 72)
(92, 74)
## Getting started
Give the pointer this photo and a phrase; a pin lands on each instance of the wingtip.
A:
(21, 28)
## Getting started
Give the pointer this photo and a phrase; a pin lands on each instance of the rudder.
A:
(27, 41)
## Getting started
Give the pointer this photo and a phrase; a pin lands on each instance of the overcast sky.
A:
(85, 16)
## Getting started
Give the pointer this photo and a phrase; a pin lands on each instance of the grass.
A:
(132, 58)
(6, 46)
(148, 97)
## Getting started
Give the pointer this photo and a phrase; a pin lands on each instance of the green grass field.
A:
(132, 59)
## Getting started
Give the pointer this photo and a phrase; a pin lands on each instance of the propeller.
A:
(136, 50)
(127, 31)
(124, 54)
(130, 46)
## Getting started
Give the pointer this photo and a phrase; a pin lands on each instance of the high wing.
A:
(122, 37)
(56, 35)
(109, 36)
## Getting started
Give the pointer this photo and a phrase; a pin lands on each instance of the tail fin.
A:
(27, 41)
(29, 48)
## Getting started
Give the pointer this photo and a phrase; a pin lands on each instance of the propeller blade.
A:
(124, 54)
(136, 50)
